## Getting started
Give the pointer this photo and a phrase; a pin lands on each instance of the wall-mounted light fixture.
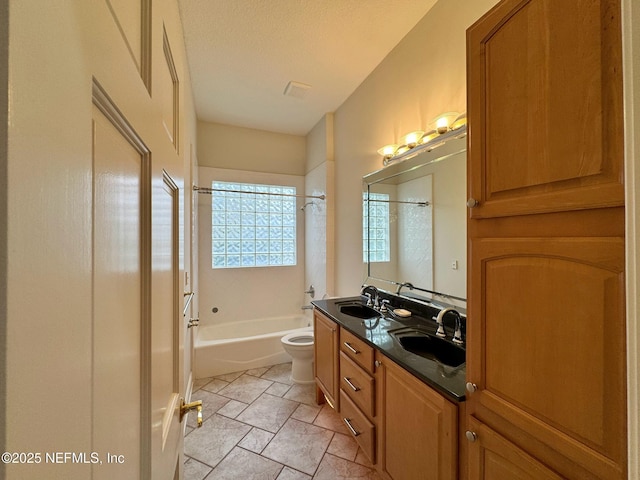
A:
(430, 135)
(420, 140)
(443, 121)
(459, 122)
(412, 139)
(388, 151)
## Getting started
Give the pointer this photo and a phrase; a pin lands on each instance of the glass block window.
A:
(375, 227)
(250, 228)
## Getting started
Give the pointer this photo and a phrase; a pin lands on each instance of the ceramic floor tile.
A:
(229, 377)
(275, 417)
(257, 372)
(335, 468)
(214, 440)
(194, 470)
(200, 382)
(291, 474)
(256, 440)
(343, 446)
(306, 413)
(299, 445)
(268, 412)
(241, 464)
(232, 409)
(245, 388)
(302, 393)
(279, 373)
(211, 403)
(214, 385)
(328, 418)
(278, 389)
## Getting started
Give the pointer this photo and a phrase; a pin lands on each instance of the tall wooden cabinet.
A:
(546, 293)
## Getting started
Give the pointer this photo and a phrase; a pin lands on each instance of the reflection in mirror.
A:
(414, 223)
(398, 230)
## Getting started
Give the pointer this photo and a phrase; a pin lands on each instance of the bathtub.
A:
(235, 346)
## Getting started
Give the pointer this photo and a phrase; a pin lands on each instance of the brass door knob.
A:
(187, 407)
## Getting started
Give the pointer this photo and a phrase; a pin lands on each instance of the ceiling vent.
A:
(296, 89)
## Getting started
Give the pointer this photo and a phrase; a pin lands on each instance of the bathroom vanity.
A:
(402, 407)
(400, 388)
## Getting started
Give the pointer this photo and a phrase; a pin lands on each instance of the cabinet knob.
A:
(472, 202)
(377, 363)
(471, 387)
(471, 436)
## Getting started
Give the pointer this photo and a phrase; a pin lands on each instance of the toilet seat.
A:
(298, 339)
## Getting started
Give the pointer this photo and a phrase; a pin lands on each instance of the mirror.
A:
(414, 221)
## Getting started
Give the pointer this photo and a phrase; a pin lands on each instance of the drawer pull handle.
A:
(355, 389)
(348, 345)
(350, 427)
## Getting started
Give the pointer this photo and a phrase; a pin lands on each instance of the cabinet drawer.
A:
(358, 350)
(358, 385)
(359, 426)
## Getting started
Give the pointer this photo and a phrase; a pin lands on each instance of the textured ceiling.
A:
(242, 54)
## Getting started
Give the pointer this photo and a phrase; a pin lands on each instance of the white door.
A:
(120, 169)
(166, 329)
(137, 322)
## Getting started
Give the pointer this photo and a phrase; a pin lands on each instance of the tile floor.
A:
(260, 425)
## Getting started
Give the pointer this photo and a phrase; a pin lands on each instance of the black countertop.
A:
(449, 381)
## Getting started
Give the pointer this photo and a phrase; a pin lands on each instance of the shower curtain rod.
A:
(420, 204)
(209, 191)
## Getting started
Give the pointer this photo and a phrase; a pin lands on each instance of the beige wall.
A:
(230, 153)
(238, 148)
(320, 143)
(425, 75)
(319, 217)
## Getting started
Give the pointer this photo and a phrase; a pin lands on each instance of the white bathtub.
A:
(235, 346)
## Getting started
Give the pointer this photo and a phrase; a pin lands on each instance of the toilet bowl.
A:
(299, 345)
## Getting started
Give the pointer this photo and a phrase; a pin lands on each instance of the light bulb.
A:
(411, 139)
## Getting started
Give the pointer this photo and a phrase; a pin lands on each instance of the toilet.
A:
(299, 345)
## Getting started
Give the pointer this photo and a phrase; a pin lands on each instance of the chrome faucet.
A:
(373, 297)
(457, 335)
(311, 291)
(384, 306)
(405, 284)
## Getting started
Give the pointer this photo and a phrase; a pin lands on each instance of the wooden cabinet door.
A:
(546, 343)
(326, 351)
(545, 107)
(419, 428)
(492, 457)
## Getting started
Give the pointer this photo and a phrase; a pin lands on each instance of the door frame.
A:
(631, 85)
